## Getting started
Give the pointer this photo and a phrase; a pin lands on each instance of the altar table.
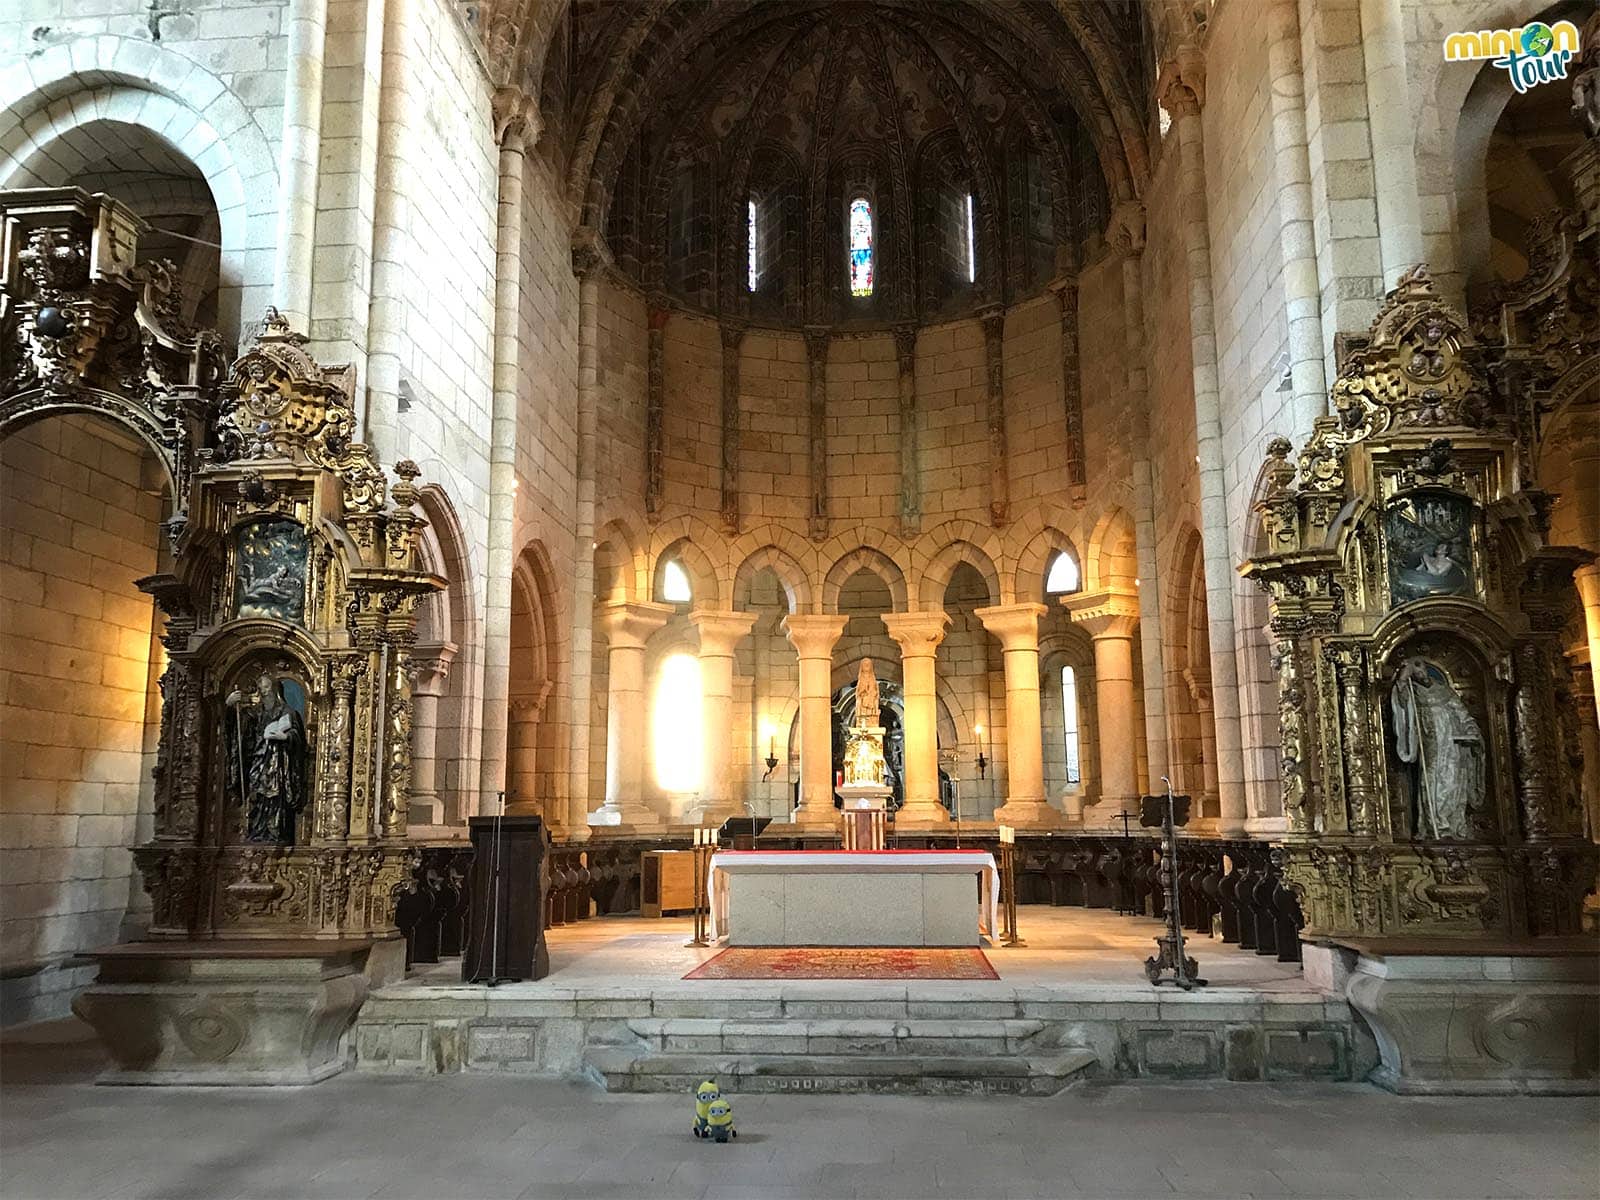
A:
(853, 897)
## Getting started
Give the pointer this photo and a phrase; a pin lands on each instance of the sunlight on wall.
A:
(676, 725)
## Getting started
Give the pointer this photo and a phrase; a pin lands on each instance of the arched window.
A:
(861, 251)
(1069, 716)
(676, 724)
(675, 587)
(753, 275)
(1062, 576)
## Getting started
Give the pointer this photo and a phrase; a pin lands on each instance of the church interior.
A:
(556, 538)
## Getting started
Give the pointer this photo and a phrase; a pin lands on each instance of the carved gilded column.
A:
(397, 718)
(1073, 465)
(365, 744)
(994, 337)
(905, 349)
(1359, 813)
(817, 425)
(1297, 744)
(655, 407)
(732, 337)
(1532, 728)
(813, 637)
(919, 635)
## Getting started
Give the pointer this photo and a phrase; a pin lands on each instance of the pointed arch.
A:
(874, 562)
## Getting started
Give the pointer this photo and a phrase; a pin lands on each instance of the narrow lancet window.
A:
(861, 250)
(972, 243)
(750, 242)
(1062, 576)
(1069, 718)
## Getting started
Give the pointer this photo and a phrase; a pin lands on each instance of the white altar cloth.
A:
(813, 863)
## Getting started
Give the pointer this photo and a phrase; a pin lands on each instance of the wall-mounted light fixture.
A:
(772, 753)
(983, 763)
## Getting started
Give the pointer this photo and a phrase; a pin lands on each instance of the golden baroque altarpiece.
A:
(290, 585)
(1431, 759)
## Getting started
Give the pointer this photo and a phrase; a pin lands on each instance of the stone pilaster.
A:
(919, 635)
(905, 346)
(655, 407)
(1073, 466)
(813, 637)
(817, 428)
(994, 341)
(1017, 628)
(721, 795)
(732, 338)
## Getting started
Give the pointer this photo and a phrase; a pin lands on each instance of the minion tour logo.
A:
(1536, 53)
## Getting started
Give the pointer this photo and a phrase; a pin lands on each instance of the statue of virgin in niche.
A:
(1436, 735)
(867, 704)
(267, 760)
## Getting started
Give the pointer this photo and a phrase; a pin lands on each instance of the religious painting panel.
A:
(270, 570)
(1429, 536)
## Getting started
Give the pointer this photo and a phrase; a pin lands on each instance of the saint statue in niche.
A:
(1429, 547)
(267, 758)
(272, 571)
(867, 695)
(1437, 737)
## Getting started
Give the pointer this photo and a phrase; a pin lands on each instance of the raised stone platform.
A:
(1070, 1006)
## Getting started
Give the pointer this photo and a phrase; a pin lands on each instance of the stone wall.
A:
(79, 507)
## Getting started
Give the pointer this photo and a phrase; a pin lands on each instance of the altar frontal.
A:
(853, 897)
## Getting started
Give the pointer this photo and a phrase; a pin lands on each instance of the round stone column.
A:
(432, 665)
(919, 635)
(628, 627)
(720, 632)
(1017, 627)
(1110, 618)
(813, 637)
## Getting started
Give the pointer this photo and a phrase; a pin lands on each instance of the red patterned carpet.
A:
(844, 962)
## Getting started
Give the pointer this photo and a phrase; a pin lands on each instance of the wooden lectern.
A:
(505, 926)
(865, 826)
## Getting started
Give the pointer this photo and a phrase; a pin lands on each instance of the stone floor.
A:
(1064, 946)
(477, 1136)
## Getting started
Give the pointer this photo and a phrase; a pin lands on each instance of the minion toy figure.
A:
(705, 1096)
(719, 1119)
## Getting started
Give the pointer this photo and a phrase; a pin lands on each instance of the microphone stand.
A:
(494, 896)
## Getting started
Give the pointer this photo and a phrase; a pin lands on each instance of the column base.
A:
(922, 813)
(1027, 814)
(630, 818)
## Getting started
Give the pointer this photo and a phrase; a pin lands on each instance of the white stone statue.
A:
(867, 708)
(1436, 734)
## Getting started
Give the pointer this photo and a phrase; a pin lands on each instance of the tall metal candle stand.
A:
(1008, 886)
(704, 845)
(1171, 956)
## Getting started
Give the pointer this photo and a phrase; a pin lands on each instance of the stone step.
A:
(857, 1037)
(640, 1069)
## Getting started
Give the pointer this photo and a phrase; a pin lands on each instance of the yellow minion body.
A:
(705, 1096)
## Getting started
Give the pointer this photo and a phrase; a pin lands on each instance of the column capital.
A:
(905, 348)
(590, 254)
(1125, 230)
(1016, 625)
(918, 633)
(1109, 613)
(531, 705)
(629, 623)
(516, 118)
(1181, 82)
(431, 661)
(720, 631)
(813, 635)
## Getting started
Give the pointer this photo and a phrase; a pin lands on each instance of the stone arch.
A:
(704, 589)
(19, 411)
(936, 575)
(873, 561)
(139, 83)
(796, 587)
(620, 563)
(1033, 563)
(535, 650)
(1188, 692)
(1111, 561)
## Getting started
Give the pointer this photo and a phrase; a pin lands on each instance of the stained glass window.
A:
(750, 235)
(861, 247)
